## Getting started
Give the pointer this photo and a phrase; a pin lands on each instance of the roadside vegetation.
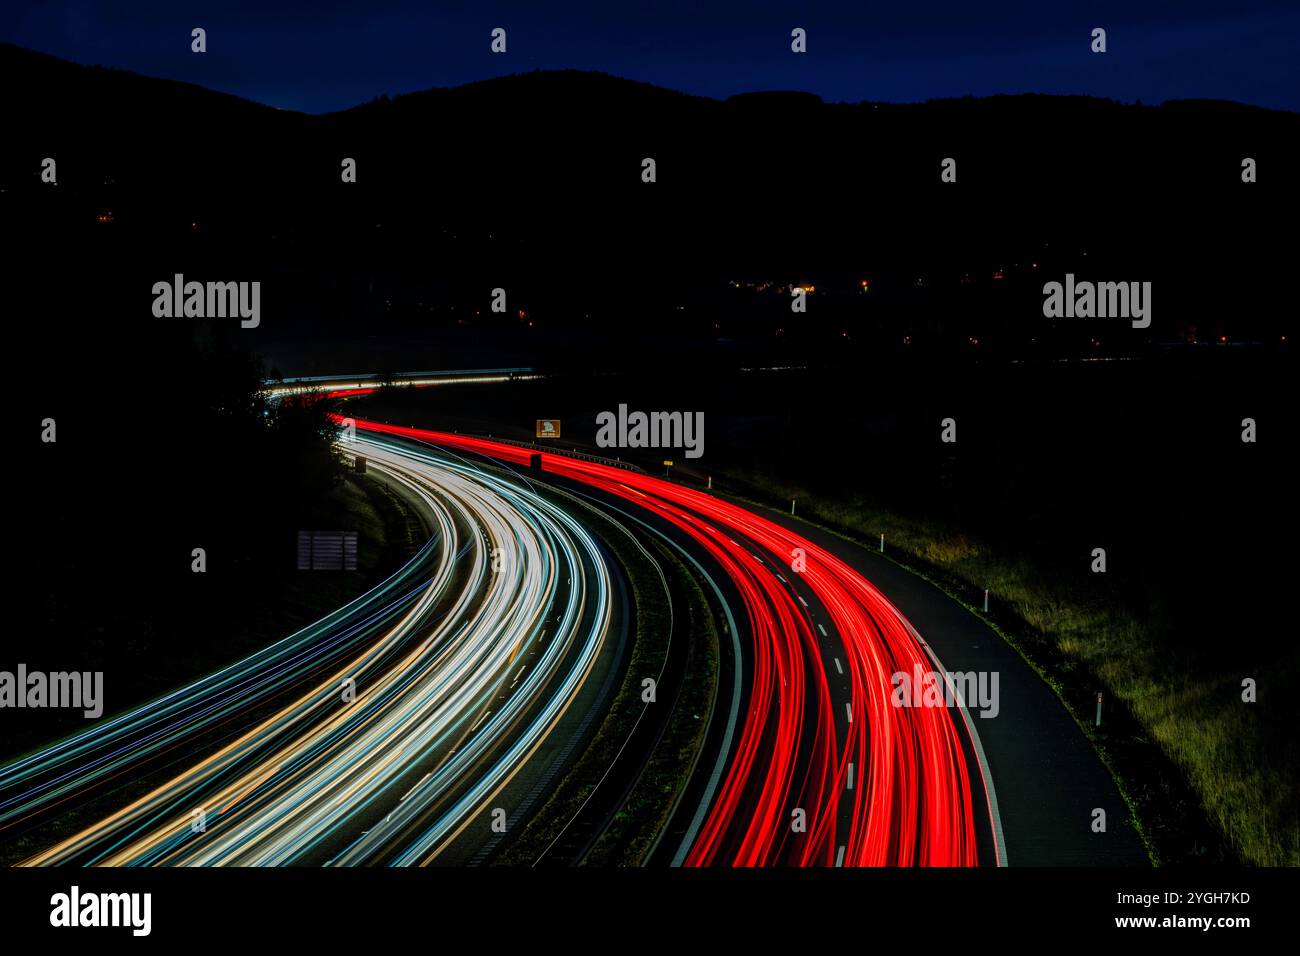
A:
(1207, 776)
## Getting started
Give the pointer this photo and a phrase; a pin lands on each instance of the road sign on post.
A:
(548, 428)
(327, 550)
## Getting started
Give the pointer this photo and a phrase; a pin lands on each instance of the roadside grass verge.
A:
(1206, 776)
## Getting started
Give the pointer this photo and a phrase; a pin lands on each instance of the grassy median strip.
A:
(633, 830)
(1214, 758)
(632, 833)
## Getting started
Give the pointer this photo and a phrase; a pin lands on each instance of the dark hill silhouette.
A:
(533, 182)
(568, 138)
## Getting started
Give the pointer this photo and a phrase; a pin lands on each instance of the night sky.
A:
(326, 55)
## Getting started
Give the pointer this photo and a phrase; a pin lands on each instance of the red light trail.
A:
(900, 774)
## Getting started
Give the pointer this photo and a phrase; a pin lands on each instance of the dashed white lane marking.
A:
(822, 629)
(839, 856)
(848, 708)
(849, 785)
(838, 668)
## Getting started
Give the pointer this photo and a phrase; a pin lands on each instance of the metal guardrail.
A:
(612, 462)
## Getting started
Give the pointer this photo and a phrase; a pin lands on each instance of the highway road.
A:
(816, 766)
(433, 715)
(382, 731)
